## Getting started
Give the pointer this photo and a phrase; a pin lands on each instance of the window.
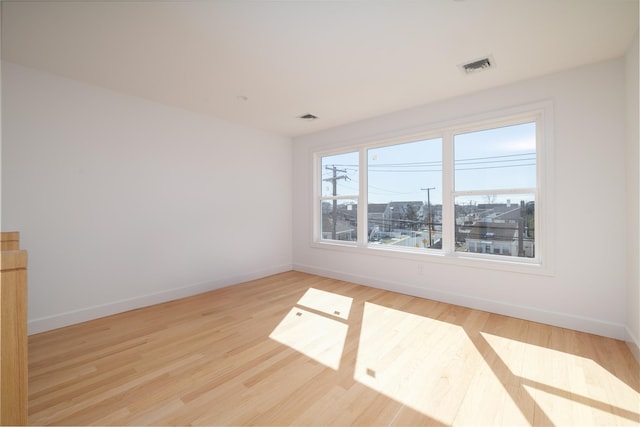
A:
(495, 188)
(399, 178)
(339, 200)
(462, 192)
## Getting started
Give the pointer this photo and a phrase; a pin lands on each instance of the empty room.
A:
(374, 213)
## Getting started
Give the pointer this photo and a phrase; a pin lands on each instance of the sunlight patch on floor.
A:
(557, 383)
(457, 376)
(402, 356)
(313, 335)
(496, 395)
(327, 302)
(319, 334)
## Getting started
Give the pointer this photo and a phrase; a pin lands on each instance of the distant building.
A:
(347, 219)
(375, 213)
(499, 238)
(345, 227)
(404, 215)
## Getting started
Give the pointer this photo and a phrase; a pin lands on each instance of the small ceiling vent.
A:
(478, 65)
(309, 117)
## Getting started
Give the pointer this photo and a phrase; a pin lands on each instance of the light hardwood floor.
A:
(298, 349)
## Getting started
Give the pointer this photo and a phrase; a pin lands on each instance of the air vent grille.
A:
(477, 65)
(308, 117)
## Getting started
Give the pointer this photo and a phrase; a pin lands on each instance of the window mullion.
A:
(448, 214)
(363, 201)
(317, 198)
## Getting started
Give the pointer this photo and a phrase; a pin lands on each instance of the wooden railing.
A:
(13, 331)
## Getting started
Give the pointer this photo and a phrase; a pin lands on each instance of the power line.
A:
(457, 169)
(499, 157)
(430, 225)
(389, 191)
(495, 167)
(469, 162)
(439, 162)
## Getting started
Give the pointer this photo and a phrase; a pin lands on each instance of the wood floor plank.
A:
(299, 349)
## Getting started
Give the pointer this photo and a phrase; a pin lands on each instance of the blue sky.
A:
(497, 158)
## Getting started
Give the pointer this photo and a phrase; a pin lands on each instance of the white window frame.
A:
(319, 198)
(542, 263)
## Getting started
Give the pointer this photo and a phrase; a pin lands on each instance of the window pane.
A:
(496, 224)
(405, 194)
(340, 175)
(496, 158)
(340, 220)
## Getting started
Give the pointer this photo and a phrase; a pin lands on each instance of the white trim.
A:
(434, 129)
(448, 181)
(363, 201)
(563, 320)
(60, 320)
(461, 259)
(542, 263)
(316, 215)
(633, 343)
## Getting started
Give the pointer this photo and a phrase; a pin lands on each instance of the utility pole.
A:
(429, 219)
(521, 229)
(334, 179)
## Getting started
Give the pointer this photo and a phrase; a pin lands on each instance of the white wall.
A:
(587, 290)
(633, 196)
(122, 202)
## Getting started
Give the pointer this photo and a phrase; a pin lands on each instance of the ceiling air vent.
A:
(477, 65)
(309, 117)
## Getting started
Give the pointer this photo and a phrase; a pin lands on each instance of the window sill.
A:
(436, 256)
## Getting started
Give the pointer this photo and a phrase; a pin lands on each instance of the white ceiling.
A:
(343, 61)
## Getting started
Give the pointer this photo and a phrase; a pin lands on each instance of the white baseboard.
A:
(563, 320)
(89, 313)
(633, 343)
